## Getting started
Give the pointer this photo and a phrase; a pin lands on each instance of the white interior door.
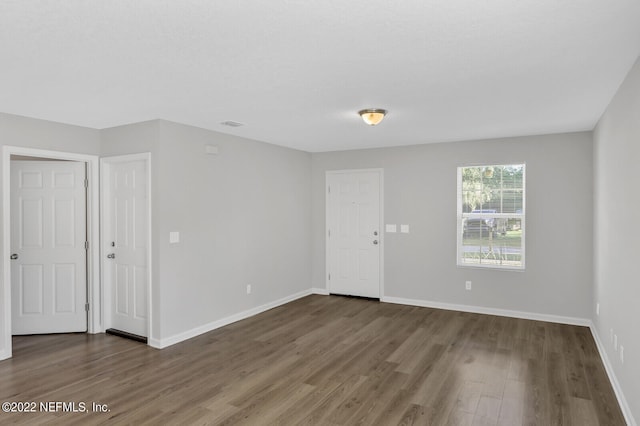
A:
(48, 235)
(126, 224)
(353, 233)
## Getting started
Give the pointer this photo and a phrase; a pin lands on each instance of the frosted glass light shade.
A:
(372, 116)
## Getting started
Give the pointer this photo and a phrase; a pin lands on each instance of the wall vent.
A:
(232, 123)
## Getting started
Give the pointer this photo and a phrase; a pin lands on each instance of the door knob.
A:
(14, 256)
(375, 232)
(375, 242)
(111, 256)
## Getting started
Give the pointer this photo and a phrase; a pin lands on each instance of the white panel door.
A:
(353, 233)
(48, 234)
(125, 238)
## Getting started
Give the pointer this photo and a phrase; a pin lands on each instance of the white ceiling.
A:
(296, 71)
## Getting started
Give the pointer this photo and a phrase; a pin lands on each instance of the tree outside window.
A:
(491, 216)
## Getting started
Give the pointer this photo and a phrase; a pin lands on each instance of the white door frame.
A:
(94, 323)
(380, 172)
(104, 181)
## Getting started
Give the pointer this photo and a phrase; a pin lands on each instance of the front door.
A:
(353, 233)
(48, 252)
(126, 206)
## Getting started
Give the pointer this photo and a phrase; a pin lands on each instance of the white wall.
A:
(420, 190)
(45, 135)
(617, 251)
(243, 217)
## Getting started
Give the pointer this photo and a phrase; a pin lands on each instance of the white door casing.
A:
(48, 236)
(95, 317)
(126, 243)
(354, 234)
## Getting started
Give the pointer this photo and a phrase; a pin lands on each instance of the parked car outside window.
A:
(485, 226)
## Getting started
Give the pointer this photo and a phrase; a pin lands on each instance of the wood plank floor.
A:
(324, 360)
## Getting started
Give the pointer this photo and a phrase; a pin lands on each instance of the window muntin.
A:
(491, 216)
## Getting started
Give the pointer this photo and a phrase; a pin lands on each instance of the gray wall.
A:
(40, 134)
(243, 217)
(420, 190)
(617, 203)
(46, 135)
(130, 139)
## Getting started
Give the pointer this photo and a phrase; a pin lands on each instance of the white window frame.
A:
(461, 215)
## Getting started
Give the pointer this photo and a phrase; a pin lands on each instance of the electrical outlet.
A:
(248, 288)
(622, 354)
(598, 309)
(467, 285)
(615, 342)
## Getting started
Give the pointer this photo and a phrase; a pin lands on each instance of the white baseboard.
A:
(538, 317)
(626, 410)
(177, 338)
(488, 311)
(155, 343)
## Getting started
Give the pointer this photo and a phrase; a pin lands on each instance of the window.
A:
(491, 216)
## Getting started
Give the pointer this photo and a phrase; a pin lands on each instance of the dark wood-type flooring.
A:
(324, 360)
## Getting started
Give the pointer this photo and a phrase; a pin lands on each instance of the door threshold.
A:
(353, 296)
(126, 335)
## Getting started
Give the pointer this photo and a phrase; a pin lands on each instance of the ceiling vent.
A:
(232, 123)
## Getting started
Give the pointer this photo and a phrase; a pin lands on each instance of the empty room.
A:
(320, 213)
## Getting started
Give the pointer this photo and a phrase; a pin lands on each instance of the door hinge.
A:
(86, 245)
(328, 189)
(86, 183)
(86, 307)
(329, 276)
(329, 233)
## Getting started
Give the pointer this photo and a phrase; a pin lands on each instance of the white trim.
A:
(617, 389)
(381, 232)
(322, 291)
(327, 250)
(347, 171)
(145, 156)
(180, 337)
(489, 311)
(93, 234)
(460, 215)
(492, 215)
(6, 248)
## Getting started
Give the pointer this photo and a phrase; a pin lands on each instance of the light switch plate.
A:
(404, 229)
(174, 237)
(391, 227)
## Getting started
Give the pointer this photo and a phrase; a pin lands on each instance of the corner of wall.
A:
(617, 389)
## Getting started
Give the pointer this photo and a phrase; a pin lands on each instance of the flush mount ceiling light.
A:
(372, 116)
